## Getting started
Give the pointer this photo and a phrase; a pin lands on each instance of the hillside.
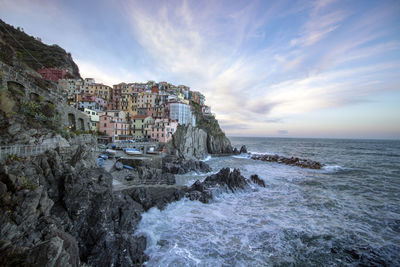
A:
(12, 44)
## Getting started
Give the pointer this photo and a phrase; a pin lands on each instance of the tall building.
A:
(180, 112)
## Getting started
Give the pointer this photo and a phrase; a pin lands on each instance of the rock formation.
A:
(231, 181)
(303, 163)
(195, 143)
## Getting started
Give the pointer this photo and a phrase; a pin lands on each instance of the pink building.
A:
(163, 129)
(52, 74)
(113, 124)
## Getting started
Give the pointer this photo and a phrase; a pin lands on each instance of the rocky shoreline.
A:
(293, 161)
(59, 209)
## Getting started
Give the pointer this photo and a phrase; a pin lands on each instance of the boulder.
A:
(181, 166)
(231, 181)
(255, 179)
(243, 149)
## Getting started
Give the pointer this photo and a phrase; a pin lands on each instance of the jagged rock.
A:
(223, 179)
(235, 151)
(243, 149)
(14, 128)
(194, 143)
(189, 142)
(181, 166)
(303, 163)
(218, 144)
(155, 196)
(255, 179)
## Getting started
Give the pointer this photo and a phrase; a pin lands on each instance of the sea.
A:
(345, 214)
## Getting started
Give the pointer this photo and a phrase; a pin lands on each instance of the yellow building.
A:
(100, 90)
(140, 125)
(146, 99)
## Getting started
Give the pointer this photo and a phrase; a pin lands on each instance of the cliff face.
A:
(49, 56)
(195, 143)
(189, 142)
(59, 209)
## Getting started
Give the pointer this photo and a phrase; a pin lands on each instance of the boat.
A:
(111, 152)
(152, 151)
(133, 151)
(103, 156)
(128, 167)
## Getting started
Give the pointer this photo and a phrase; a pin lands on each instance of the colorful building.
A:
(94, 119)
(180, 112)
(114, 125)
(140, 126)
(163, 129)
(53, 74)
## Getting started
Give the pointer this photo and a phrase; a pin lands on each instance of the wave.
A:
(333, 168)
(207, 158)
(261, 153)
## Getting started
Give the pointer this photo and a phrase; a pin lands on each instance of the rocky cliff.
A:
(17, 47)
(59, 209)
(195, 143)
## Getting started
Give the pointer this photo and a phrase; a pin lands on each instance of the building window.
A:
(105, 124)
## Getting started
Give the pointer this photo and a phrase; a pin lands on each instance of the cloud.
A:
(283, 132)
(259, 65)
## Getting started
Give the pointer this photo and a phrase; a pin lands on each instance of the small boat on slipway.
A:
(111, 152)
(133, 151)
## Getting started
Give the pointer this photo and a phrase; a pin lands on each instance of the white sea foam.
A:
(333, 168)
(207, 158)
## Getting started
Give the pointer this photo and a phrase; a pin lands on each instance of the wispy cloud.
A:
(260, 64)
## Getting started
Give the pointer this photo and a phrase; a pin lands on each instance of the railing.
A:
(25, 151)
(34, 150)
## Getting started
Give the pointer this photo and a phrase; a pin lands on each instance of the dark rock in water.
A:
(243, 149)
(224, 178)
(235, 151)
(158, 197)
(255, 179)
(303, 163)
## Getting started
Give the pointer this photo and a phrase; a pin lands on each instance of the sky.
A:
(326, 68)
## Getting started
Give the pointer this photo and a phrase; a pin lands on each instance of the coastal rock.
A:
(218, 144)
(303, 163)
(235, 151)
(231, 181)
(180, 166)
(243, 149)
(189, 143)
(158, 196)
(255, 179)
(195, 143)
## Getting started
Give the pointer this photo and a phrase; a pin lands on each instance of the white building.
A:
(70, 85)
(180, 112)
(94, 118)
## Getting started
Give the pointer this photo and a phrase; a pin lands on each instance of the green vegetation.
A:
(50, 56)
(207, 123)
(13, 157)
(27, 184)
(42, 113)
